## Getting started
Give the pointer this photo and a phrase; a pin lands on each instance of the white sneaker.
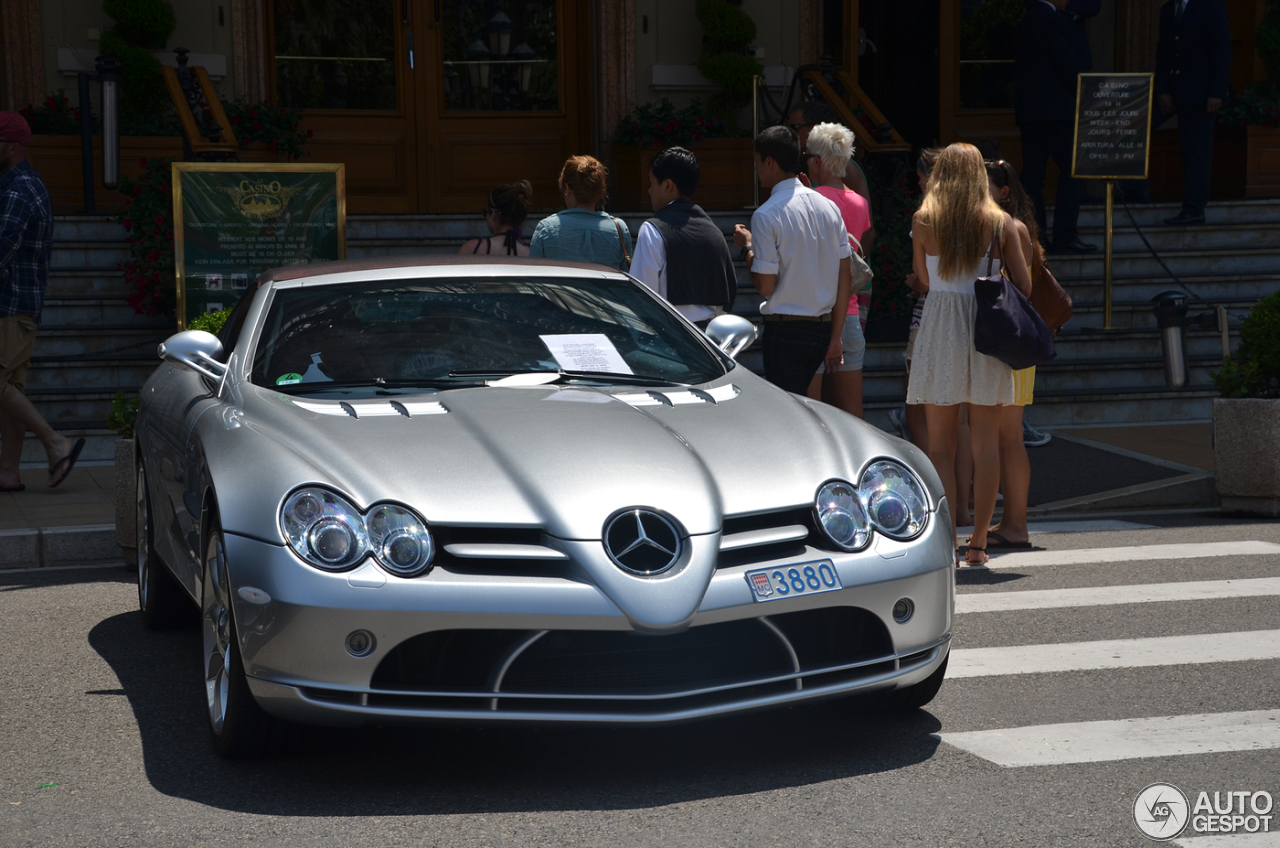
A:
(898, 417)
(1033, 438)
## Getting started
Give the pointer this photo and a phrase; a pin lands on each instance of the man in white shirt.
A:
(798, 253)
(681, 254)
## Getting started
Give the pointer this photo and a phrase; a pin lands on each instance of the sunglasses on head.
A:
(997, 163)
(798, 127)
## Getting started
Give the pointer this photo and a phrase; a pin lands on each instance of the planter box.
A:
(1245, 433)
(56, 159)
(126, 498)
(726, 182)
(1262, 168)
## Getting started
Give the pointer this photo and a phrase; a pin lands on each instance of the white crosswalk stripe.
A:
(1089, 556)
(1144, 737)
(1115, 653)
(1235, 840)
(1129, 739)
(1111, 595)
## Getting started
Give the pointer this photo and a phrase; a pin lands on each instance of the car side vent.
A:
(679, 397)
(373, 408)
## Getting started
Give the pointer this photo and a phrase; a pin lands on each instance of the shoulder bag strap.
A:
(622, 242)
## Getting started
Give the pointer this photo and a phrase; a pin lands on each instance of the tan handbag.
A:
(626, 257)
(1050, 299)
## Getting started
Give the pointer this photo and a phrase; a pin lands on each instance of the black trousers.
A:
(793, 351)
(1195, 135)
(1042, 141)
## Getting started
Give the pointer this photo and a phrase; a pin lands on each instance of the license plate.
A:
(808, 578)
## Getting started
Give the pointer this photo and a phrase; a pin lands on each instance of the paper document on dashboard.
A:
(586, 352)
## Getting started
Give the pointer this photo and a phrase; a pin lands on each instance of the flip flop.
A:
(21, 487)
(60, 469)
(995, 540)
(977, 565)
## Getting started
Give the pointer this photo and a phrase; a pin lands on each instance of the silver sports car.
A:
(407, 489)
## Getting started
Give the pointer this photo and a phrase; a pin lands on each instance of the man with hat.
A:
(26, 241)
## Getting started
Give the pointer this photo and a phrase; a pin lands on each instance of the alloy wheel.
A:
(216, 626)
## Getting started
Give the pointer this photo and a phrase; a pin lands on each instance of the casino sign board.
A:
(234, 220)
(1113, 126)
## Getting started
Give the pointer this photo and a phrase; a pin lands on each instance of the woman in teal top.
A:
(580, 232)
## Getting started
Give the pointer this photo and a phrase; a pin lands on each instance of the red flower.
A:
(128, 225)
(160, 219)
(137, 190)
(51, 101)
(253, 113)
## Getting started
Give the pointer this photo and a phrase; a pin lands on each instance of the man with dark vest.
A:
(681, 254)
(1193, 61)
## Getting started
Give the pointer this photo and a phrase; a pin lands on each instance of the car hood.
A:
(567, 458)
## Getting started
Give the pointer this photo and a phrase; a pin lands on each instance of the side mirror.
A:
(197, 350)
(731, 333)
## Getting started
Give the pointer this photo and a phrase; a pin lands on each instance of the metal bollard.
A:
(1171, 317)
(108, 68)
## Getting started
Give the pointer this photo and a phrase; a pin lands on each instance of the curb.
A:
(51, 547)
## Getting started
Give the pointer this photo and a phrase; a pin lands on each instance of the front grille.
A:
(623, 671)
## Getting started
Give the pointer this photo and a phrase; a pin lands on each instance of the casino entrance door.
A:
(431, 103)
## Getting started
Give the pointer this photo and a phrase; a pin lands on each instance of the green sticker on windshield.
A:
(288, 379)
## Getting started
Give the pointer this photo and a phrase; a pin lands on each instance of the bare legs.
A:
(841, 389)
(1015, 476)
(944, 423)
(964, 467)
(17, 416)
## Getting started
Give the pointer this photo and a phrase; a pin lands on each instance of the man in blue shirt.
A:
(26, 242)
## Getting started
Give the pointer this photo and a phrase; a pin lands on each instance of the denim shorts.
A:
(855, 345)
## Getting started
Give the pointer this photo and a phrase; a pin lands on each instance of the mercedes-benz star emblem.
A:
(642, 541)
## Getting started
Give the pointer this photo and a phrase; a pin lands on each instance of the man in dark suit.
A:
(1051, 50)
(1193, 60)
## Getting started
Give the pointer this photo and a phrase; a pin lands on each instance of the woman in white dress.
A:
(957, 226)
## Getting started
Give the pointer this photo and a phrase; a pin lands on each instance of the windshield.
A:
(442, 332)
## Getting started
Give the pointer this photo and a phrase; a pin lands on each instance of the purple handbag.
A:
(1007, 325)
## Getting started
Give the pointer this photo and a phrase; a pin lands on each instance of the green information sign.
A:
(234, 220)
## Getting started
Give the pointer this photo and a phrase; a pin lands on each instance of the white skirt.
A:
(945, 367)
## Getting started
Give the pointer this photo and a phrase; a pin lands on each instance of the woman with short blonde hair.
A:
(832, 144)
(958, 230)
(582, 232)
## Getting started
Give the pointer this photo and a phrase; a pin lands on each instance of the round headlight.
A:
(894, 499)
(324, 529)
(841, 516)
(400, 540)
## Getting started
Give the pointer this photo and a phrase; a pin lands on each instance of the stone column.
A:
(615, 59)
(22, 53)
(1137, 28)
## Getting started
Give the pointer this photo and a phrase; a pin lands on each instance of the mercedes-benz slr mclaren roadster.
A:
(412, 490)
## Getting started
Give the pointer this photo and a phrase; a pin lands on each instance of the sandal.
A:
(982, 563)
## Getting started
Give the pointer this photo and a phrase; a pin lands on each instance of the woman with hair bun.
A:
(581, 232)
(506, 210)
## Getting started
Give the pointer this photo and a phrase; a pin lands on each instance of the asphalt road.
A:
(113, 715)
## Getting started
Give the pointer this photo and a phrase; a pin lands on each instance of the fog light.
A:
(360, 643)
(903, 610)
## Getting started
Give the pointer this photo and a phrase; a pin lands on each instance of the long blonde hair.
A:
(959, 210)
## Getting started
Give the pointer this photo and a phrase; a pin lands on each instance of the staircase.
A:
(91, 343)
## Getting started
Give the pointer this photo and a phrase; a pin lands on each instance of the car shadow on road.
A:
(449, 769)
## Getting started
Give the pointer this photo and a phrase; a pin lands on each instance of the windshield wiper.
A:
(379, 383)
(562, 376)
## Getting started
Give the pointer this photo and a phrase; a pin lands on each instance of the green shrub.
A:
(123, 415)
(210, 322)
(143, 23)
(1253, 371)
(727, 31)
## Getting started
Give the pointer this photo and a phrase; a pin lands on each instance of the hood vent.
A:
(373, 408)
(680, 397)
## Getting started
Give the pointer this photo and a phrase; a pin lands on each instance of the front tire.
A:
(163, 604)
(241, 729)
(914, 697)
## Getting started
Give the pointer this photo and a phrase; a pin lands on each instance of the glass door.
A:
(347, 65)
(500, 97)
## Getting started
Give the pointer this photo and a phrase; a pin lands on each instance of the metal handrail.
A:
(187, 88)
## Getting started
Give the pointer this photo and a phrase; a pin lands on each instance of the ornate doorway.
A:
(431, 103)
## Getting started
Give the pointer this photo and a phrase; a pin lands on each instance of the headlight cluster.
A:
(888, 498)
(327, 531)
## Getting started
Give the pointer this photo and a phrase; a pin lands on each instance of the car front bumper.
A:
(294, 622)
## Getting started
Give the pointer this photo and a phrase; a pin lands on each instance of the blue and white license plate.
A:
(807, 578)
